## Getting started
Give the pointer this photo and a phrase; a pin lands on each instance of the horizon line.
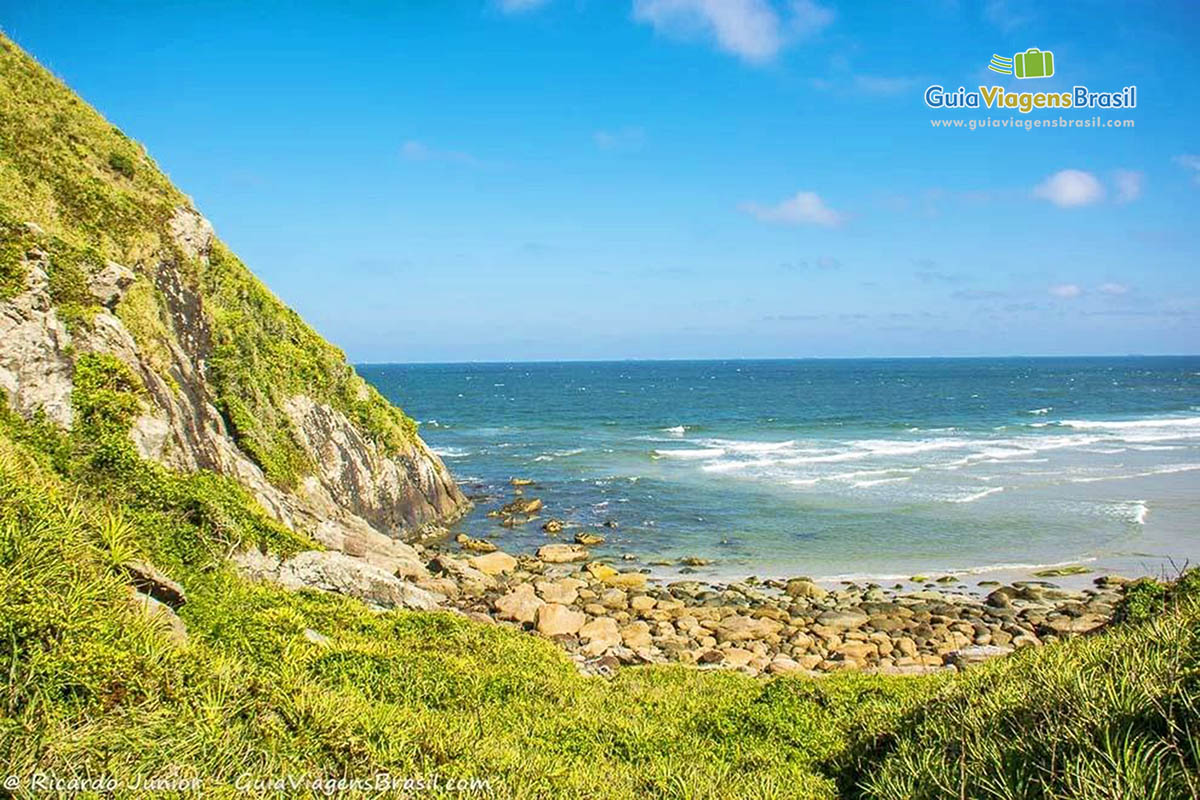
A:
(711, 359)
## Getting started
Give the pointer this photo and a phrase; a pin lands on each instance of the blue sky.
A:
(514, 179)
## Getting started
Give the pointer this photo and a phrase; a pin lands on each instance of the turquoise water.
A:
(832, 468)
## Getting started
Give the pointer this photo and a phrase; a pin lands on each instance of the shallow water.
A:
(833, 468)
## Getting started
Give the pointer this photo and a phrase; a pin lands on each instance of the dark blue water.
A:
(830, 467)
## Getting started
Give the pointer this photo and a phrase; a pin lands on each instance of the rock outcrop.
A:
(358, 498)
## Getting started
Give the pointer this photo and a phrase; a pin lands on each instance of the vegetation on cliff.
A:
(96, 195)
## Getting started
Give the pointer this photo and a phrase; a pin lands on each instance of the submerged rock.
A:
(475, 545)
(522, 506)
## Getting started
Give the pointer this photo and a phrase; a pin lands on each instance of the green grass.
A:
(92, 687)
(98, 196)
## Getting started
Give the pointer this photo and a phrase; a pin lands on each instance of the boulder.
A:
(782, 665)
(635, 635)
(519, 605)
(443, 586)
(1071, 626)
(600, 571)
(736, 657)
(470, 580)
(564, 591)
(553, 526)
(1002, 597)
(858, 651)
(804, 588)
(627, 580)
(561, 553)
(493, 563)
(163, 616)
(599, 635)
(109, 284)
(886, 624)
(738, 628)
(842, 619)
(342, 574)
(589, 539)
(976, 654)
(148, 579)
(642, 603)
(475, 545)
(523, 506)
(555, 619)
(614, 599)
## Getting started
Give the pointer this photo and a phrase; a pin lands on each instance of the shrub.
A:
(1144, 600)
(121, 164)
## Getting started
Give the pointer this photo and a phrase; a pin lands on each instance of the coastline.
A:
(607, 612)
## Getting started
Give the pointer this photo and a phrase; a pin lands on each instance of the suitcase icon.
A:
(1033, 63)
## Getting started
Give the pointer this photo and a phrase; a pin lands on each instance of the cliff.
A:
(100, 254)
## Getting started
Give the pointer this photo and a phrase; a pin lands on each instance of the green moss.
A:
(1058, 572)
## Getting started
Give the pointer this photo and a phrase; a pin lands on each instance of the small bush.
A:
(121, 164)
(1144, 600)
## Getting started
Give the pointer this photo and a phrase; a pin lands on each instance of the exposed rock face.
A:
(393, 493)
(148, 579)
(358, 500)
(340, 573)
(35, 368)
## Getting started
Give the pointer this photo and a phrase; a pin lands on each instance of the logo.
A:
(1033, 63)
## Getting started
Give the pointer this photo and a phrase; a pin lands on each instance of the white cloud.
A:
(1190, 162)
(876, 84)
(1129, 184)
(1007, 15)
(746, 28)
(803, 208)
(1066, 290)
(750, 29)
(809, 18)
(413, 150)
(519, 6)
(1069, 188)
(1113, 288)
(628, 138)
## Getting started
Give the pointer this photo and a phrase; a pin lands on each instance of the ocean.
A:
(835, 469)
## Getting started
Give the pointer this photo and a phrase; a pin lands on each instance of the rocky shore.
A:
(605, 616)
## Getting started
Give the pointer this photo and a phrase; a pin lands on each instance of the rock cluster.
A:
(602, 615)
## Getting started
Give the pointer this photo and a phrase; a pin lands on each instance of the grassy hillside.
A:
(97, 195)
(276, 683)
(271, 683)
